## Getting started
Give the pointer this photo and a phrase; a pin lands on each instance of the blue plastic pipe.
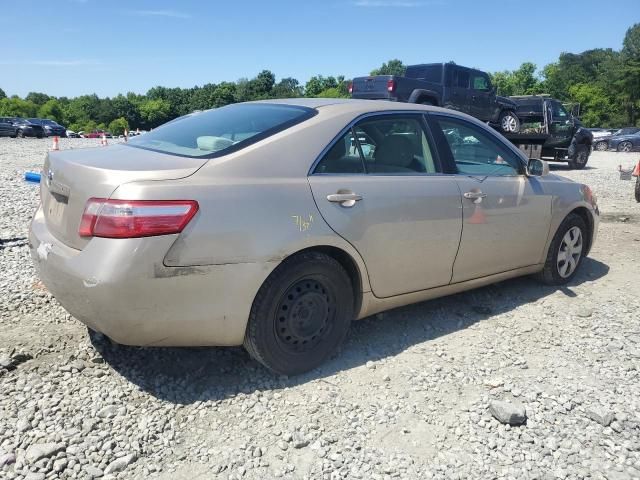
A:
(32, 177)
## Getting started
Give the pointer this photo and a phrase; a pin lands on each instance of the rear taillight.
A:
(135, 218)
(351, 87)
(391, 86)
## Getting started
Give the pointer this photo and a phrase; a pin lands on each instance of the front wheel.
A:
(580, 160)
(301, 314)
(625, 147)
(509, 122)
(20, 134)
(565, 253)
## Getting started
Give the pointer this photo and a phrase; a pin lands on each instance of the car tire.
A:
(509, 122)
(569, 242)
(582, 157)
(625, 147)
(601, 146)
(301, 314)
(638, 189)
(20, 134)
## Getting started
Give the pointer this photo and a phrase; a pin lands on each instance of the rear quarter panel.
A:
(256, 205)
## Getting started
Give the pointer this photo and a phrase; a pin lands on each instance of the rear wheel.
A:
(625, 147)
(20, 134)
(601, 146)
(301, 314)
(509, 122)
(565, 253)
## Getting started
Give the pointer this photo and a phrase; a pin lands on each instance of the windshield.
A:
(222, 130)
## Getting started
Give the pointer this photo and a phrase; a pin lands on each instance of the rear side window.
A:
(217, 132)
(430, 73)
(461, 79)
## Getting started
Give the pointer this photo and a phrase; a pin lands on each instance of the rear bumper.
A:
(122, 289)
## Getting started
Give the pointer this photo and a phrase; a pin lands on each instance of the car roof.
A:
(344, 105)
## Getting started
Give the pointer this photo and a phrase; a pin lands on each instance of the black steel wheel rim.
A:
(304, 316)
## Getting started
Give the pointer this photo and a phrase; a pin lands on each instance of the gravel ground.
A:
(414, 394)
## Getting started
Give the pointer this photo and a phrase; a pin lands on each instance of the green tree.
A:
(628, 80)
(318, 84)
(287, 88)
(596, 109)
(523, 81)
(392, 67)
(51, 110)
(118, 126)
(16, 107)
(37, 98)
(155, 113)
(2, 94)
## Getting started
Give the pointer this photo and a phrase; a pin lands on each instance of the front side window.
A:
(222, 130)
(387, 144)
(479, 82)
(474, 151)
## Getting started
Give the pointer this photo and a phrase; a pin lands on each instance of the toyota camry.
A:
(274, 224)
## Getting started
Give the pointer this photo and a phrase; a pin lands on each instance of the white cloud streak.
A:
(161, 13)
(396, 3)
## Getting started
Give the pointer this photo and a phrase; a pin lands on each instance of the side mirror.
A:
(537, 168)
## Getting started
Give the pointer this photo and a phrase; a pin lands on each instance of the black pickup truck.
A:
(444, 85)
(549, 131)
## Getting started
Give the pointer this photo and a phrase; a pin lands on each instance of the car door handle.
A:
(344, 199)
(474, 195)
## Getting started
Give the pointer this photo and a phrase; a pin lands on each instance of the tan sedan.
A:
(274, 224)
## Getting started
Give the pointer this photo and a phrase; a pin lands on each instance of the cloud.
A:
(161, 13)
(397, 3)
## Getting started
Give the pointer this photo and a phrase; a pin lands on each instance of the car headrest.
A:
(213, 144)
(395, 150)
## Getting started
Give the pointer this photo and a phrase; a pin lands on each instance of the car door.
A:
(379, 186)
(480, 101)
(560, 125)
(458, 79)
(506, 214)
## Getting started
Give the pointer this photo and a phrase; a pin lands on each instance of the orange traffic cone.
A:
(55, 145)
(126, 135)
(636, 171)
(477, 217)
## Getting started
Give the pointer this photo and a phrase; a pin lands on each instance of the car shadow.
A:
(564, 167)
(188, 375)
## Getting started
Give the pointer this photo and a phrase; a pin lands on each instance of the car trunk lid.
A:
(71, 177)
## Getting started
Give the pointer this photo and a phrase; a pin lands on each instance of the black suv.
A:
(445, 85)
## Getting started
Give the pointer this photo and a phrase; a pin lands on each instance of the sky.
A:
(76, 47)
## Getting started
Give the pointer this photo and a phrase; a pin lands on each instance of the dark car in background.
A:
(605, 143)
(26, 128)
(625, 143)
(7, 127)
(446, 85)
(51, 128)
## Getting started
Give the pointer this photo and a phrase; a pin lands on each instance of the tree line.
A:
(605, 82)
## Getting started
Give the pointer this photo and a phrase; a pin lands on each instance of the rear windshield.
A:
(217, 132)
